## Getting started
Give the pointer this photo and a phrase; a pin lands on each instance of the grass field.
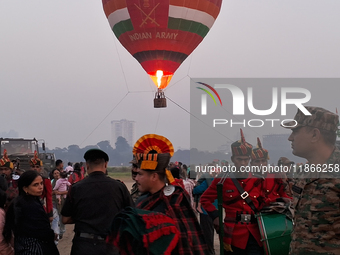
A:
(120, 173)
(121, 176)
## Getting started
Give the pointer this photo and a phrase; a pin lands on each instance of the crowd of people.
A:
(30, 205)
(168, 211)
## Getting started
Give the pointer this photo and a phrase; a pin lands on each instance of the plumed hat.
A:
(241, 147)
(153, 152)
(5, 161)
(259, 152)
(35, 161)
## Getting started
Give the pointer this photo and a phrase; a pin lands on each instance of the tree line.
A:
(122, 154)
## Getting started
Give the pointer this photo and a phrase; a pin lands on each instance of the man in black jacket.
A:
(91, 205)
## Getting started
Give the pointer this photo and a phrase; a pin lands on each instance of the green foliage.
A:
(122, 155)
(122, 145)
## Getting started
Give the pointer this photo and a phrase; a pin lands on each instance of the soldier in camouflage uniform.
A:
(316, 188)
(135, 193)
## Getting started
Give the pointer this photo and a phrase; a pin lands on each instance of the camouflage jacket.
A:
(317, 215)
(135, 194)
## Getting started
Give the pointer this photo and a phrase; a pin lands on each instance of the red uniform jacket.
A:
(274, 188)
(235, 232)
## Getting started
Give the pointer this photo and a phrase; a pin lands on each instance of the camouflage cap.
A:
(134, 161)
(241, 147)
(259, 152)
(320, 118)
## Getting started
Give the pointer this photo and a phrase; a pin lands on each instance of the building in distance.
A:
(124, 128)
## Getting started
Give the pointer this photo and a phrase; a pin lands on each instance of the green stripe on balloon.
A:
(122, 27)
(188, 25)
(173, 23)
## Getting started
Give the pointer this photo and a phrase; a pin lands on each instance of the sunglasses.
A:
(134, 173)
(35, 166)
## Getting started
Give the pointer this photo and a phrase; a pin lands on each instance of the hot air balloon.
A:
(161, 34)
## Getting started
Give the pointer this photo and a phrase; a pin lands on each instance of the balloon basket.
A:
(160, 100)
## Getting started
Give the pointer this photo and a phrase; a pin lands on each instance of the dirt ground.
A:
(65, 243)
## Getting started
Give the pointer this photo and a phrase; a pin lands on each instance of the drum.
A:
(275, 229)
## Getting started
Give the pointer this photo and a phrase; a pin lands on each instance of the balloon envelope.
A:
(161, 34)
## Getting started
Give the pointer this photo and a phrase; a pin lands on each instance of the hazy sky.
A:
(64, 76)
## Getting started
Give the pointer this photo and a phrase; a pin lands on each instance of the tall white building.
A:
(124, 128)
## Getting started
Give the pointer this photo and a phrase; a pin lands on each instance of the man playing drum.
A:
(241, 231)
(275, 227)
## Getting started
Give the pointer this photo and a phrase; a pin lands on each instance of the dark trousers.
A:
(252, 248)
(208, 232)
(86, 246)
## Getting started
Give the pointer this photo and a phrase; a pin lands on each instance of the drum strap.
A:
(256, 183)
(279, 187)
(244, 194)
